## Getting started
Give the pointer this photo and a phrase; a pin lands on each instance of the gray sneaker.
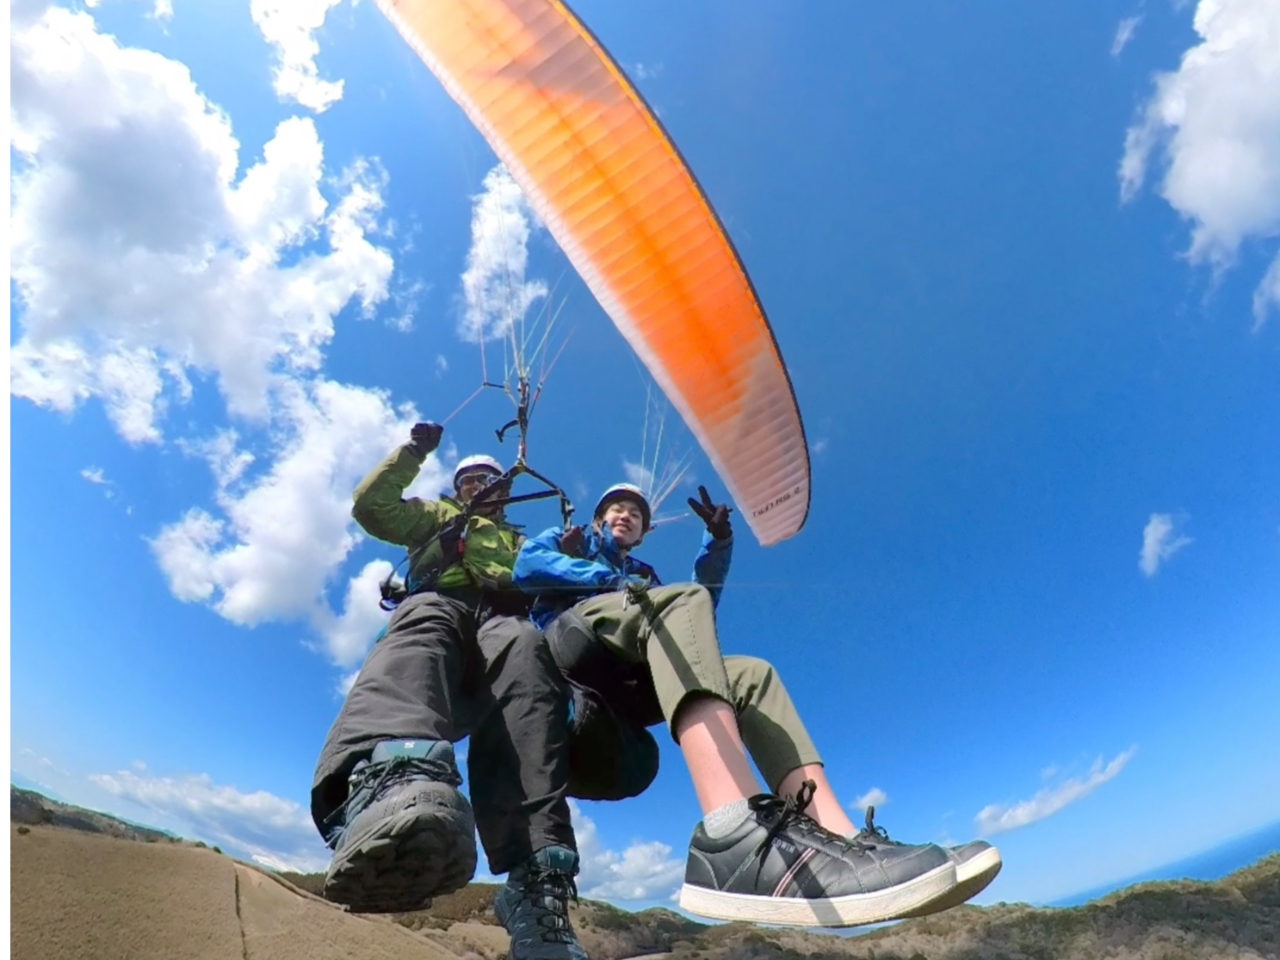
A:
(781, 867)
(408, 833)
(976, 863)
(534, 907)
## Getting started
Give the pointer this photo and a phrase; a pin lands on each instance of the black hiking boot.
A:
(976, 864)
(534, 907)
(781, 867)
(408, 833)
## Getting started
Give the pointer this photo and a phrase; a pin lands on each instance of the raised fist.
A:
(426, 436)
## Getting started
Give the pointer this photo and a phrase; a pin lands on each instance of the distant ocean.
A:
(1210, 864)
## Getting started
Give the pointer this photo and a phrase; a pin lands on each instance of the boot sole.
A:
(403, 862)
(972, 877)
(848, 911)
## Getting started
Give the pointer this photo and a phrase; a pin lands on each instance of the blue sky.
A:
(1021, 262)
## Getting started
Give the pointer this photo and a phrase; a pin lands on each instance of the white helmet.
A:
(477, 462)
(624, 491)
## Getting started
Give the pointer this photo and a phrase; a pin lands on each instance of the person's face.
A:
(472, 482)
(625, 522)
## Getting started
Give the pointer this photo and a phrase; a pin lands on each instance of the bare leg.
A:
(707, 731)
(825, 808)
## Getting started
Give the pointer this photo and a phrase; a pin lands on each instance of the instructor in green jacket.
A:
(458, 657)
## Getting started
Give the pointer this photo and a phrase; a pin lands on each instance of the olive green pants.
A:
(673, 629)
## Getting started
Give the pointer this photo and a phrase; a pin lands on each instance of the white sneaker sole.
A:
(972, 877)
(849, 911)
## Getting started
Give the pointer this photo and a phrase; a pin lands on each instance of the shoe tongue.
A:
(559, 859)
(418, 749)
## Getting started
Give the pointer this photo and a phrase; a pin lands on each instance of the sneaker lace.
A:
(788, 812)
(547, 894)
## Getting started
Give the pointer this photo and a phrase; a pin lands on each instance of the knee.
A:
(528, 648)
(693, 593)
(749, 673)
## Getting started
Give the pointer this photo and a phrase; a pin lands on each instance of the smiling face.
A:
(625, 521)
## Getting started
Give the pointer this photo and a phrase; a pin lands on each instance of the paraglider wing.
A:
(608, 183)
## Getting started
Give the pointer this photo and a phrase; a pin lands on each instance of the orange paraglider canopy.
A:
(608, 183)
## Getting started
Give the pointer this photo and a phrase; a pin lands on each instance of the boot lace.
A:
(546, 894)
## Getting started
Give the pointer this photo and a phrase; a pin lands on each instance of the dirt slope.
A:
(78, 896)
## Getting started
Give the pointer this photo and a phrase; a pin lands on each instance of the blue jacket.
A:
(559, 580)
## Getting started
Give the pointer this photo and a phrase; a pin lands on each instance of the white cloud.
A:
(142, 254)
(406, 300)
(94, 475)
(287, 530)
(290, 27)
(161, 10)
(648, 71)
(875, 797)
(1216, 123)
(997, 818)
(1267, 296)
(820, 446)
(350, 634)
(645, 870)
(271, 830)
(135, 254)
(442, 364)
(1124, 33)
(495, 292)
(346, 682)
(1160, 541)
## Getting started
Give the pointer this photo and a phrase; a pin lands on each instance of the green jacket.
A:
(491, 544)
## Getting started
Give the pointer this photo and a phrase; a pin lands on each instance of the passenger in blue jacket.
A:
(789, 856)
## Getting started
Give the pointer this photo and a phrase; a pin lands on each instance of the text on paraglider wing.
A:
(793, 492)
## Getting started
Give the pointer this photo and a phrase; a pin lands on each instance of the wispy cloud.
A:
(1215, 124)
(648, 71)
(998, 818)
(638, 474)
(1124, 33)
(270, 830)
(94, 475)
(875, 797)
(1161, 539)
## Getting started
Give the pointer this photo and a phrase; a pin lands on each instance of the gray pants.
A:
(435, 676)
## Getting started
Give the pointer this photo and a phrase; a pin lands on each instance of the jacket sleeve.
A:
(541, 566)
(711, 566)
(381, 512)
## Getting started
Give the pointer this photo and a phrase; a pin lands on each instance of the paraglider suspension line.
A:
(521, 422)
